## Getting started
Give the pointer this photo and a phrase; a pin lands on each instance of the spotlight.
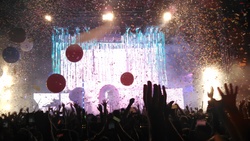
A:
(167, 16)
(108, 16)
(48, 18)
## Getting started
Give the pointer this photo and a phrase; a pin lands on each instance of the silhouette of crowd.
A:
(223, 120)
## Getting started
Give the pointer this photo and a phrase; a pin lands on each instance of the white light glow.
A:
(167, 16)
(48, 18)
(6, 95)
(7, 107)
(6, 81)
(211, 78)
(108, 17)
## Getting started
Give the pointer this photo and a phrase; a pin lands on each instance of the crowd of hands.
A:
(223, 120)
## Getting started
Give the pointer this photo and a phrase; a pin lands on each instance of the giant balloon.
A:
(127, 78)
(17, 35)
(27, 45)
(74, 53)
(11, 55)
(76, 95)
(56, 83)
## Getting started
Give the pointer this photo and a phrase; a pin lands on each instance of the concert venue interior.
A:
(186, 45)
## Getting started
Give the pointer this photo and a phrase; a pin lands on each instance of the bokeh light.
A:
(167, 16)
(108, 16)
(48, 18)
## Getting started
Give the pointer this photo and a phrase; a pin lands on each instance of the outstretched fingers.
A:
(236, 90)
(149, 93)
(164, 94)
(226, 89)
(229, 90)
(220, 92)
(156, 94)
(211, 93)
(145, 93)
(232, 91)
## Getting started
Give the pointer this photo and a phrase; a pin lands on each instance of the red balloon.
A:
(127, 78)
(74, 53)
(56, 83)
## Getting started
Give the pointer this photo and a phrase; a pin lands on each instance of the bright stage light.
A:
(6, 95)
(108, 17)
(212, 77)
(6, 81)
(48, 18)
(7, 107)
(167, 16)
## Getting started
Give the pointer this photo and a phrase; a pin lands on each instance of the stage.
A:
(104, 61)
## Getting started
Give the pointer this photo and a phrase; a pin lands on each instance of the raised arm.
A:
(229, 105)
(161, 129)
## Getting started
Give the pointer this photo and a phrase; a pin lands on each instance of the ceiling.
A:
(29, 14)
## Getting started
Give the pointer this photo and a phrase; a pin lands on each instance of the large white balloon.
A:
(76, 95)
(111, 94)
(27, 45)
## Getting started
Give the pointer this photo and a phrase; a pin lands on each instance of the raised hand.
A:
(104, 103)
(158, 111)
(20, 111)
(212, 103)
(155, 102)
(27, 110)
(105, 113)
(155, 106)
(131, 101)
(237, 126)
(229, 98)
(99, 108)
(242, 103)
